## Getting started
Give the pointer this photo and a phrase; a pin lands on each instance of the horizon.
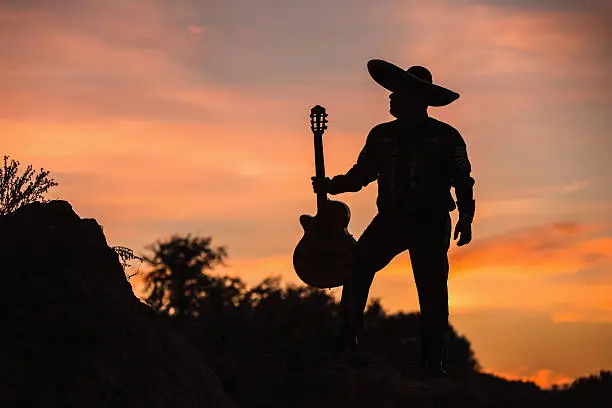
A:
(161, 118)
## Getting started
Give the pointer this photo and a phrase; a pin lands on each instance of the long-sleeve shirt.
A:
(416, 163)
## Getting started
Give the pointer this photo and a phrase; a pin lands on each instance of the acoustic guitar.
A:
(324, 255)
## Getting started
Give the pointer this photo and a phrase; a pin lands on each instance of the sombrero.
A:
(415, 79)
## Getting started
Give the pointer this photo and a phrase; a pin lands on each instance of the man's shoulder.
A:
(442, 127)
(445, 131)
(382, 131)
(384, 126)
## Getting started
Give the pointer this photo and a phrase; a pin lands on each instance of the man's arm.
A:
(363, 172)
(461, 179)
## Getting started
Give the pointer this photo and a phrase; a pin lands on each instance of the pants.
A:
(427, 238)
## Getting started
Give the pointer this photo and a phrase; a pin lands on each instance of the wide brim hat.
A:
(415, 79)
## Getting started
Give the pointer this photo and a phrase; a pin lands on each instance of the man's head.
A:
(406, 104)
(410, 102)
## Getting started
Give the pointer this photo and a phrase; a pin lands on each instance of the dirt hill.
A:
(74, 334)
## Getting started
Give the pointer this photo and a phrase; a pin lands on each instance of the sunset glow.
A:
(160, 118)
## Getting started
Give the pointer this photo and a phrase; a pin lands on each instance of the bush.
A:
(17, 190)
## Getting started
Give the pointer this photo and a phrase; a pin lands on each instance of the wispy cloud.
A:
(542, 249)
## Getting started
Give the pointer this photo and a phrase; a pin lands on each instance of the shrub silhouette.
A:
(125, 255)
(586, 391)
(17, 190)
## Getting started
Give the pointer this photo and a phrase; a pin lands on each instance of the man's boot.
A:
(435, 369)
(344, 342)
(353, 302)
(434, 351)
(347, 338)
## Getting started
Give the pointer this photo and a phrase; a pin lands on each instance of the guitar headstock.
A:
(318, 119)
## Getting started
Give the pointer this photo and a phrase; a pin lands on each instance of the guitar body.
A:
(324, 255)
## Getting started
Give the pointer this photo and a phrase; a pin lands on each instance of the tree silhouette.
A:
(178, 283)
(270, 335)
(17, 190)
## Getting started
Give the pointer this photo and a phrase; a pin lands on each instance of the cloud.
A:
(541, 249)
(265, 42)
(100, 60)
(140, 59)
(80, 76)
(587, 276)
(544, 5)
(535, 200)
(576, 313)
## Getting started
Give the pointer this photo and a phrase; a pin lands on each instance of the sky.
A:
(161, 117)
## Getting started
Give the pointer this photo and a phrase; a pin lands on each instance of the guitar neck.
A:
(319, 168)
(318, 125)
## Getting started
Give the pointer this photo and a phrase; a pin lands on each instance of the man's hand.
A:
(320, 185)
(463, 227)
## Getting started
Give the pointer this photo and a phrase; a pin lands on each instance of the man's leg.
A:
(381, 241)
(430, 240)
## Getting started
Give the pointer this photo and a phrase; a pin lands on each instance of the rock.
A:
(74, 334)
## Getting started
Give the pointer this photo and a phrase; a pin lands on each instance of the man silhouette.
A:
(416, 160)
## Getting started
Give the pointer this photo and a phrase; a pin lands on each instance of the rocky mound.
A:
(74, 334)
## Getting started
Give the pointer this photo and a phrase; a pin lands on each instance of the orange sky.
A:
(191, 116)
